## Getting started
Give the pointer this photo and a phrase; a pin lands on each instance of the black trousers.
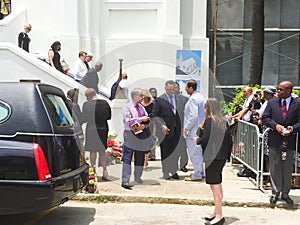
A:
(168, 155)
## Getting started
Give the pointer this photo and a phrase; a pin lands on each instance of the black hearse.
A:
(42, 163)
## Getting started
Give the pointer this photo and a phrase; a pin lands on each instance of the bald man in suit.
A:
(282, 115)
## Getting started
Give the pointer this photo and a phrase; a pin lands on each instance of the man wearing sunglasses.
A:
(282, 115)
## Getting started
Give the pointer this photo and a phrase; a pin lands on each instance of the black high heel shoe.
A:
(220, 222)
(209, 218)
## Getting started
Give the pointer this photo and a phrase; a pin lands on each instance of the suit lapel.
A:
(279, 109)
(291, 108)
(164, 97)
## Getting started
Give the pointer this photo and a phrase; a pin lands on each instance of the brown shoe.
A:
(192, 179)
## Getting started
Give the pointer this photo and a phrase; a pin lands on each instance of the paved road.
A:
(85, 213)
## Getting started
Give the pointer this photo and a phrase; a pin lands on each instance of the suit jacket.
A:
(23, 41)
(273, 116)
(180, 104)
(75, 110)
(96, 113)
(163, 114)
(215, 143)
(194, 113)
(91, 80)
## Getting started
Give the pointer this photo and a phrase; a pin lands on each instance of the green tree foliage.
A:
(235, 105)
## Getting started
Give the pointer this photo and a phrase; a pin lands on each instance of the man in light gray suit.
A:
(193, 116)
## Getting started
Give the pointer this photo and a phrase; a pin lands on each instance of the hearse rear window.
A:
(5, 111)
(58, 110)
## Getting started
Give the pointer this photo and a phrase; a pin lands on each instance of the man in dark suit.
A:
(282, 115)
(91, 79)
(168, 130)
(181, 148)
(72, 98)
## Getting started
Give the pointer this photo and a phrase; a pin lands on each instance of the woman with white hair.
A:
(23, 38)
(137, 138)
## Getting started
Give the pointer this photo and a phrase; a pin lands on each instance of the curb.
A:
(98, 198)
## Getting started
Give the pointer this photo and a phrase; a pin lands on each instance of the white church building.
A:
(144, 33)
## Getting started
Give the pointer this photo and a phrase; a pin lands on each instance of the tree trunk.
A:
(257, 45)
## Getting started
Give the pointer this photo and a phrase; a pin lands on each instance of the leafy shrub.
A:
(236, 104)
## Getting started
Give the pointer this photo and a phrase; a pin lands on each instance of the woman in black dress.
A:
(215, 139)
(54, 56)
(95, 113)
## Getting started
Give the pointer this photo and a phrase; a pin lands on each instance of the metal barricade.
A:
(263, 153)
(246, 147)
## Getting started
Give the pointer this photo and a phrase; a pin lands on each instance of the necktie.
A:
(172, 103)
(138, 111)
(283, 107)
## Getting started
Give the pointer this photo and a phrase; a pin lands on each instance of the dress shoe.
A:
(184, 169)
(126, 186)
(152, 159)
(220, 222)
(209, 218)
(273, 200)
(175, 176)
(192, 179)
(138, 180)
(288, 200)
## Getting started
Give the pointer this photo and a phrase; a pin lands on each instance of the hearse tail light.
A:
(41, 163)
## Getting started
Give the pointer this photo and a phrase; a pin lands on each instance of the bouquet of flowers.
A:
(114, 149)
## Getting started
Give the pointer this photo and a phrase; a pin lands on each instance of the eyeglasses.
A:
(281, 89)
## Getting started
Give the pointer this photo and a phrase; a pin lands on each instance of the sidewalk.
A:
(238, 191)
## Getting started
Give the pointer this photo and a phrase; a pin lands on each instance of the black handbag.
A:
(199, 132)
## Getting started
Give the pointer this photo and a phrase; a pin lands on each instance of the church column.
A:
(69, 32)
(172, 22)
(193, 29)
